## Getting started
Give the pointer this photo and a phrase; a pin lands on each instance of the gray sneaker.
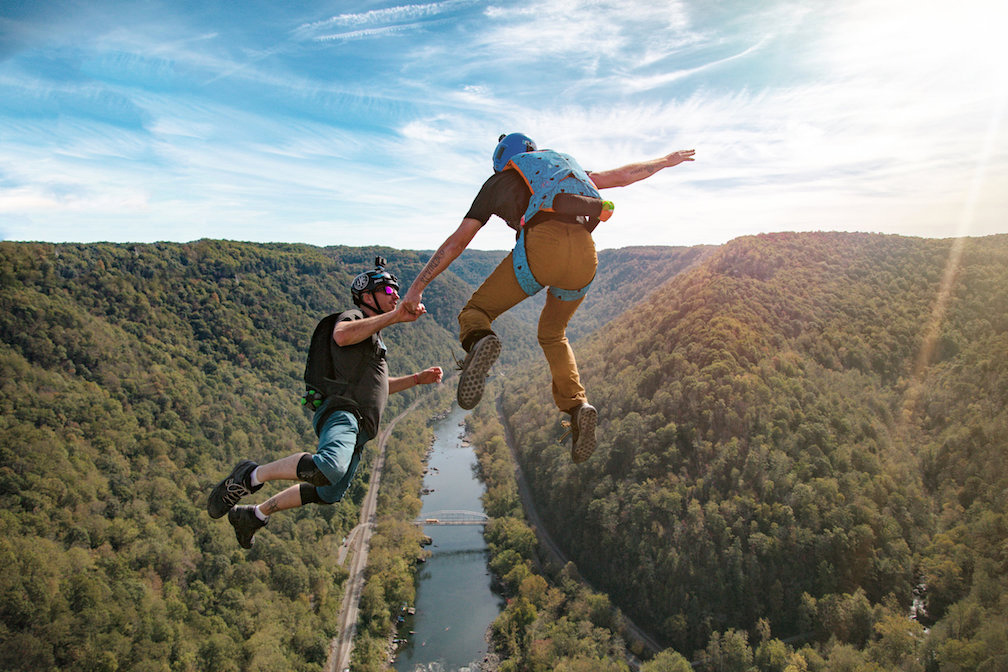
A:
(227, 493)
(583, 421)
(475, 367)
(245, 523)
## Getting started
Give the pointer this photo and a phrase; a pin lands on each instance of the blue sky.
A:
(361, 123)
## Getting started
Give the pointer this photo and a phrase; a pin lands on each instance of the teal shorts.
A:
(340, 445)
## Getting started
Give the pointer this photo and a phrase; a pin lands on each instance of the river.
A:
(454, 605)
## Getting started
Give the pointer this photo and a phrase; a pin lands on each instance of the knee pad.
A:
(309, 473)
(309, 494)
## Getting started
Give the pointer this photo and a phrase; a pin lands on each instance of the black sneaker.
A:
(245, 523)
(227, 493)
(475, 367)
(583, 421)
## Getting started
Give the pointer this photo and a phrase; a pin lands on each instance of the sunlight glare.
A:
(958, 42)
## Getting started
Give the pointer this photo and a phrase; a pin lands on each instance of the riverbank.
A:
(547, 622)
(441, 635)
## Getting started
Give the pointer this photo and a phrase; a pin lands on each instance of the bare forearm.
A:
(400, 383)
(438, 262)
(445, 255)
(350, 332)
(621, 177)
(635, 172)
(428, 376)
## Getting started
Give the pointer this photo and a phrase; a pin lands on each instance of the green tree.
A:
(667, 661)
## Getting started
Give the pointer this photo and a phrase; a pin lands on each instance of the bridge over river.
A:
(452, 518)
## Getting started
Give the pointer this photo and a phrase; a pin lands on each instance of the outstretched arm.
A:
(349, 332)
(634, 172)
(445, 255)
(425, 377)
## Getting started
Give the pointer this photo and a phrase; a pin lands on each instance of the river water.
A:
(454, 605)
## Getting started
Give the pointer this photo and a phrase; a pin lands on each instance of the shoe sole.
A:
(587, 420)
(217, 494)
(470, 389)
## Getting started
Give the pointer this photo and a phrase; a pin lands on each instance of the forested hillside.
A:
(132, 377)
(625, 277)
(799, 433)
(797, 437)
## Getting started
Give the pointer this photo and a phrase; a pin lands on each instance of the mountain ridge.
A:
(757, 453)
(769, 449)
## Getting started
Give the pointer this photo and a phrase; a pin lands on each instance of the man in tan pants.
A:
(554, 205)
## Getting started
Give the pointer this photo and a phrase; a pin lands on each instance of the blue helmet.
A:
(509, 145)
(371, 281)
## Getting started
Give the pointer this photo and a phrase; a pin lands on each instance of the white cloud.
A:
(801, 120)
(582, 29)
(378, 22)
(68, 200)
(640, 83)
(388, 15)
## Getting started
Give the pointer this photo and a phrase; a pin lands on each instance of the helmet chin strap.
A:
(376, 308)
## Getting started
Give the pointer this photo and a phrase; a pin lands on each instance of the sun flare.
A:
(961, 41)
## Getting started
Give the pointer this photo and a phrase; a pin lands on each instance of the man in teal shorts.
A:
(347, 386)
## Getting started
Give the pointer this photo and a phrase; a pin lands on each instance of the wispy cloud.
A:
(379, 22)
(654, 81)
(290, 127)
(388, 15)
(582, 29)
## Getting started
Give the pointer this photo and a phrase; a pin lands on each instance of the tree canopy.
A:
(801, 442)
(799, 424)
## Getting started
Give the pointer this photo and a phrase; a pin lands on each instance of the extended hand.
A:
(675, 158)
(405, 313)
(411, 302)
(431, 375)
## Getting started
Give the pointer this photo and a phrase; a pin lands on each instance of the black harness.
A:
(320, 373)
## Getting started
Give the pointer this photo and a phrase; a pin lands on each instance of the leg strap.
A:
(570, 294)
(522, 270)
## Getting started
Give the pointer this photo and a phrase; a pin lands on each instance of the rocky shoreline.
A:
(490, 663)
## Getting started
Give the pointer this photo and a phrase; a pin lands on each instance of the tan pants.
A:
(560, 255)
